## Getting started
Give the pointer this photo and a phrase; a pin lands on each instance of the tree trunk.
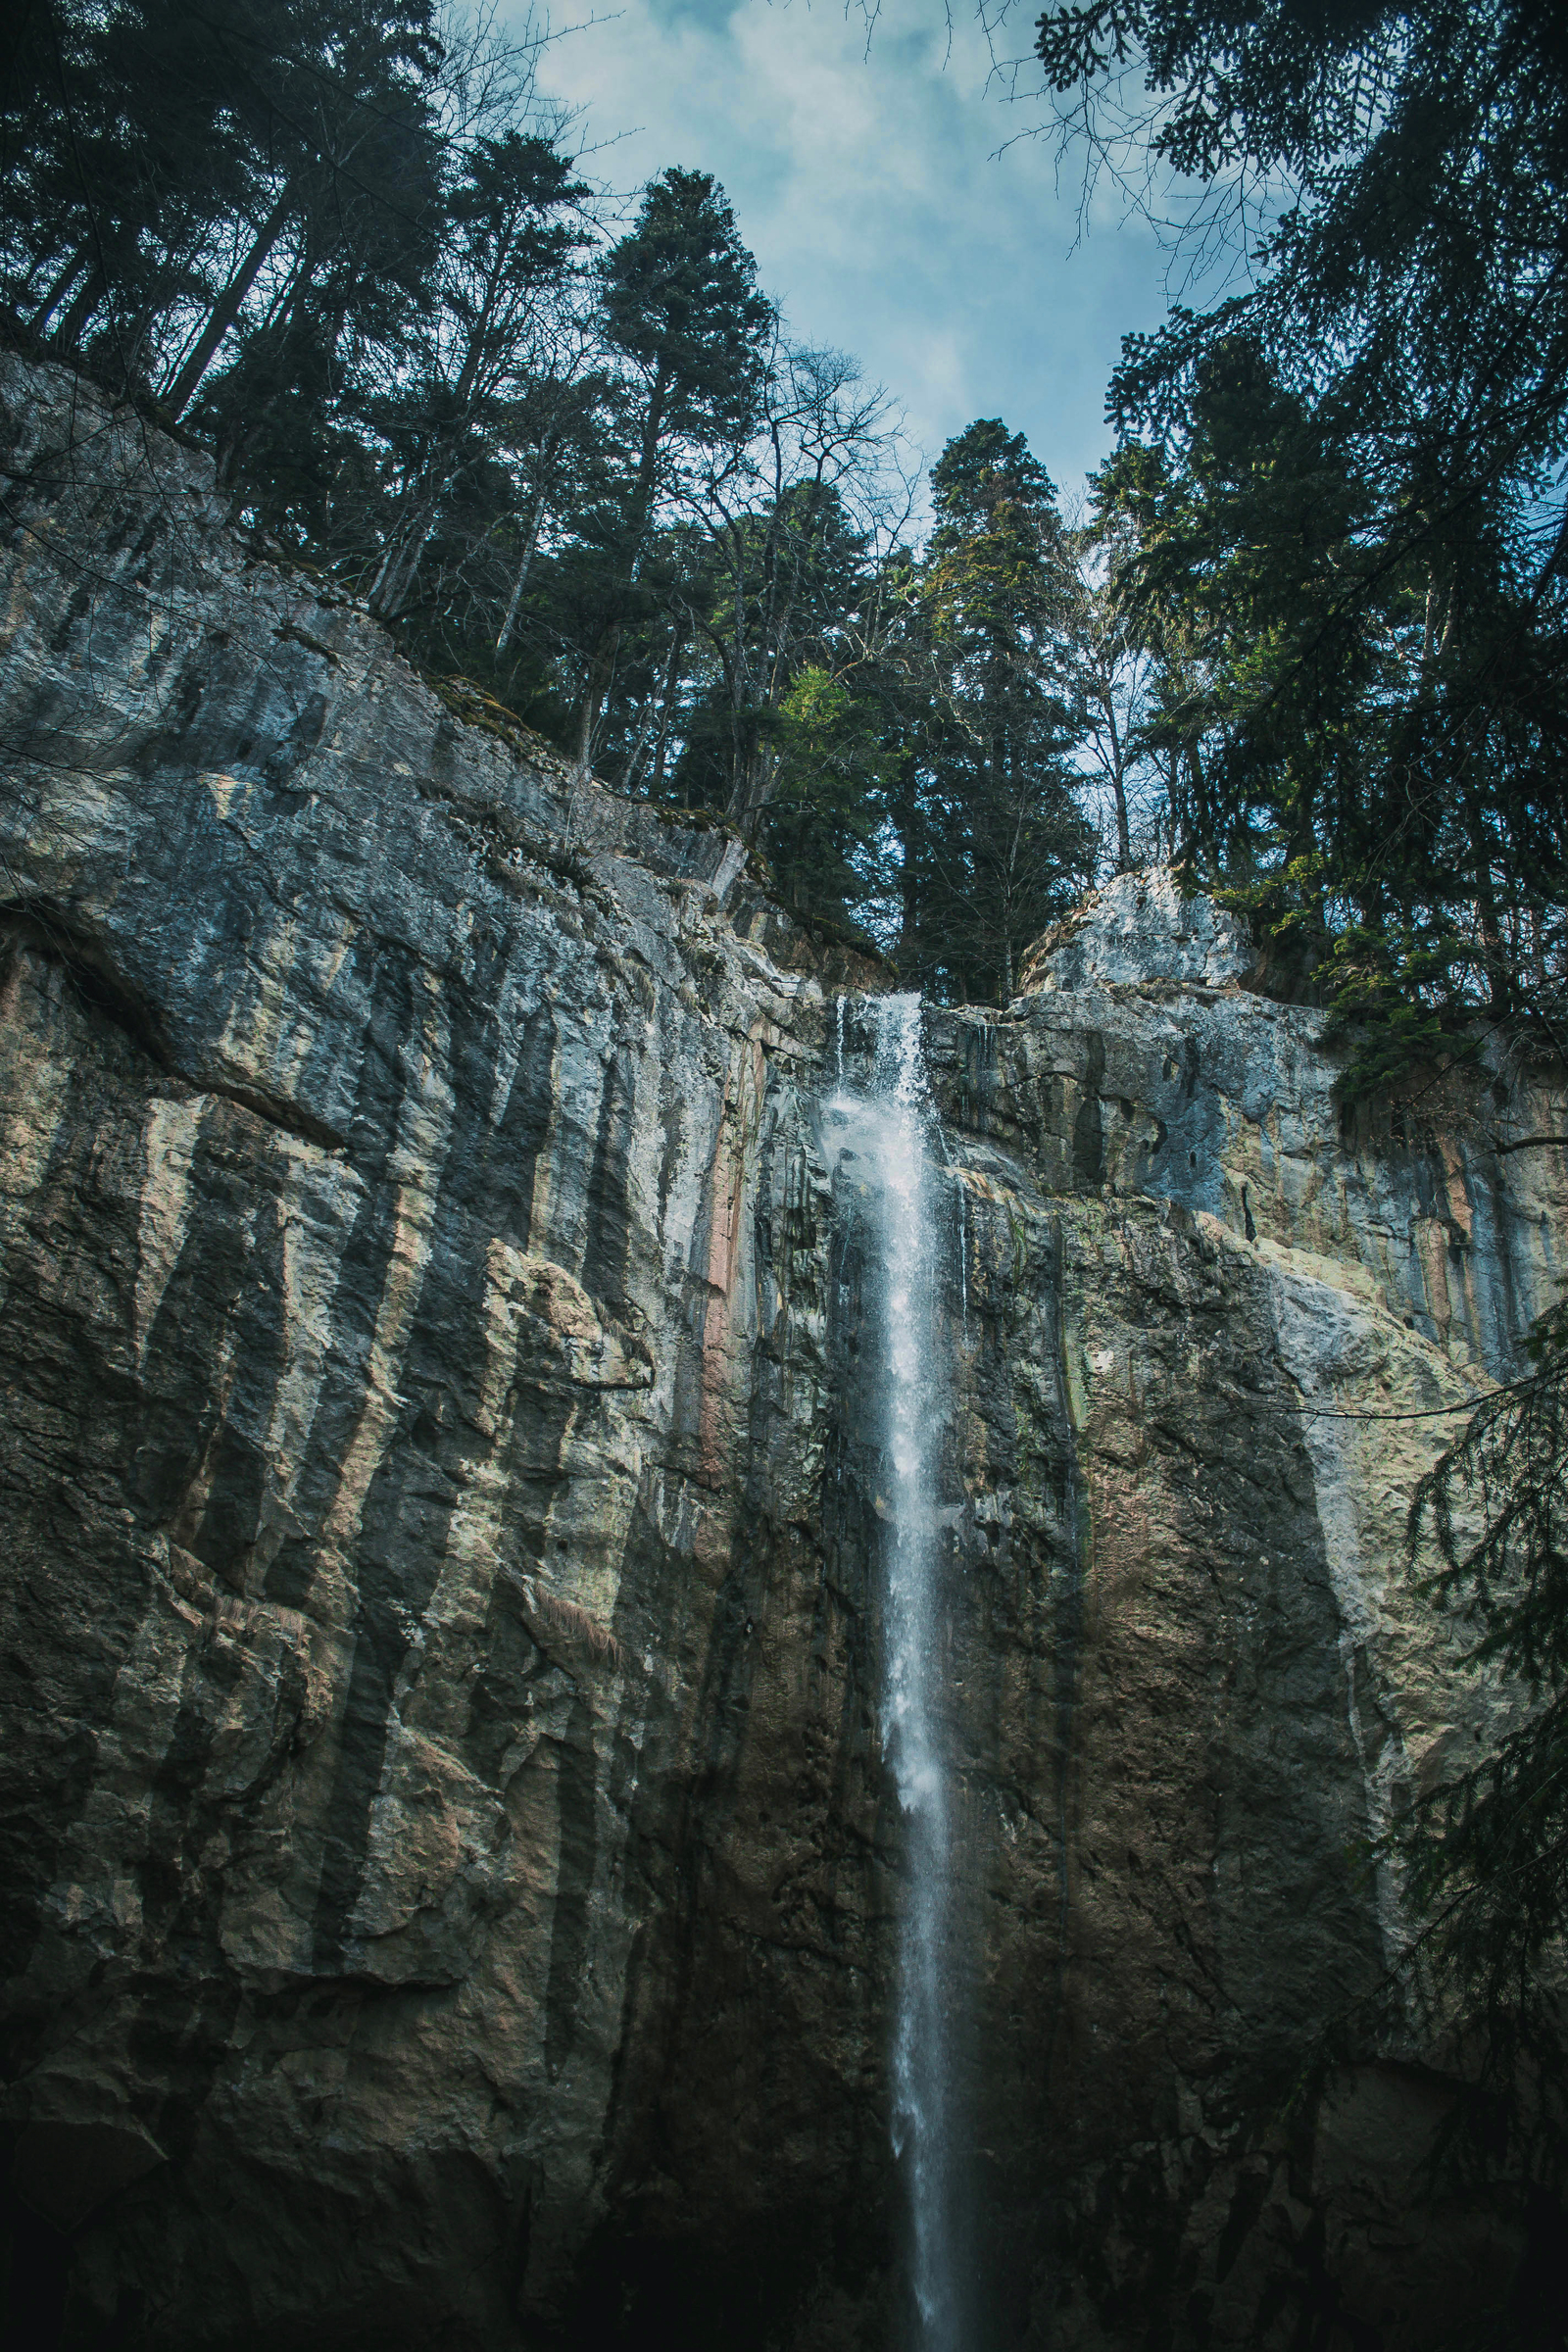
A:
(530, 545)
(1118, 786)
(84, 302)
(1202, 814)
(753, 786)
(628, 773)
(226, 309)
(677, 647)
(904, 819)
(1495, 957)
(60, 289)
(601, 671)
(602, 665)
(1124, 846)
(399, 566)
(514, 602)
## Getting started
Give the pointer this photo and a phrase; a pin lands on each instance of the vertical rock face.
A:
(1200, 1596)
(451, 1875)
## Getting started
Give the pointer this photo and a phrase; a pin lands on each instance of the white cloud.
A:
(868, 186)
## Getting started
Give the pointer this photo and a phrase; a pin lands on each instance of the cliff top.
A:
(1142, 927)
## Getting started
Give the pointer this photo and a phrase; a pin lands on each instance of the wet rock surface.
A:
(451, 1873)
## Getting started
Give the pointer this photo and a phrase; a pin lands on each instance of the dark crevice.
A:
(47, 931)
(274, 1111)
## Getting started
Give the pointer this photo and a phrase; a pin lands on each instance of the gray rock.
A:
(1140, 928)
(451, 1876)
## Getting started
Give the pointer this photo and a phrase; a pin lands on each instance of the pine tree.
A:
(1365, 604)
(681, 311)
(1001, 838)
(508, 246)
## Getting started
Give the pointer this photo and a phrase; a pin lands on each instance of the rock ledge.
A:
(1142, 927)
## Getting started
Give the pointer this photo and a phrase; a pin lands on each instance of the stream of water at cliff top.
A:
(888, 1127)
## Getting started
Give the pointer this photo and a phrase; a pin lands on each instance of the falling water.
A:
(889, 1125)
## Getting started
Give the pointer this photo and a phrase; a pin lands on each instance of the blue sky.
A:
(868, 184)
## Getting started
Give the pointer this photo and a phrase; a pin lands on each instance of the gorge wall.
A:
(451, 1877)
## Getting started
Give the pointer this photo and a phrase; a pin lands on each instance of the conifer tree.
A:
(1367, 445)
(509, 243)
(1003, 842)
(681, 311)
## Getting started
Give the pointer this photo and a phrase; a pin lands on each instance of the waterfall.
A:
(888, 1126)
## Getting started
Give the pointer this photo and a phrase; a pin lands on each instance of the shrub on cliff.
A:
(1484, 1852)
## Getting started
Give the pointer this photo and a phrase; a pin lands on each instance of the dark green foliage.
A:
(679, 297)
(475, 352)
(825, 811)
(1344, 497)
(164, 166)
(678, 302)
(993, 844)
(319, 235)
(1483, 1854)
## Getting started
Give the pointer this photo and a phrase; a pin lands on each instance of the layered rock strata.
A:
(451, 1873)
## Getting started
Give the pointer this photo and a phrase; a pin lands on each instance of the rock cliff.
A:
(450, 1871)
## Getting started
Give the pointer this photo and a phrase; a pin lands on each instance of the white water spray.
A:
(889, 1126)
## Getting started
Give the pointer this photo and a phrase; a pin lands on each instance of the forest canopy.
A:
(1337, 497)
(570, 456)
